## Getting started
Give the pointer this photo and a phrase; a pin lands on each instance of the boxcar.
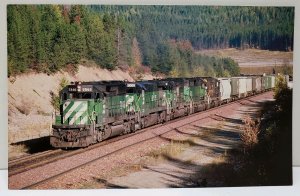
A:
(256, 84)
(225, 89)
(267, 83)
(249, 87)
(272, 81)
(239, 87)
(264, 83)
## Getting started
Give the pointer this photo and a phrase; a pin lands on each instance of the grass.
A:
(24, 108)
(252, 55)
(251, 130)
(17, 150)
(43, 113)
(171, 150)
(267, 70)
(255, 61)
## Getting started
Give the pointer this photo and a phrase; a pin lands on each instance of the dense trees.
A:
(49, 37)
(181, 60)
(213, 26)
(205, 27)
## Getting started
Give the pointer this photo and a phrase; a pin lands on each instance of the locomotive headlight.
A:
(78, 88)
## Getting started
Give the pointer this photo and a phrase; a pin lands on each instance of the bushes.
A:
(55, 99)
(269, 142)
(283, 96)
(250, 134)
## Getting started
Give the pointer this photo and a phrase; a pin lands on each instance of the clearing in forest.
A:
(255, 61)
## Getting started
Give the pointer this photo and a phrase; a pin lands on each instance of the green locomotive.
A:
(94, 111)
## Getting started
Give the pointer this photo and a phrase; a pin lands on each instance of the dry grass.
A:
(266, 69)
(250, 132)
(43, 113)
(171, 150)
(255, 61)
(252, 56)
(17, 150)
(24, 108)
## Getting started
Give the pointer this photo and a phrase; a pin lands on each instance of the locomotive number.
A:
(86, 89)
(131, 85)
(72, 89)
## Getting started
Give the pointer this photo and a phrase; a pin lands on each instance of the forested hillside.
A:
(212, 26)
(49, 37)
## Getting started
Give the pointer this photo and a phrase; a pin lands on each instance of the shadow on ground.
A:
(235, 168)
(36, 145)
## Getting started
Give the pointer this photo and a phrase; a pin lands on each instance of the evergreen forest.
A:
(47, 38)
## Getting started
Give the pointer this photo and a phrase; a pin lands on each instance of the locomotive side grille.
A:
(75, 112)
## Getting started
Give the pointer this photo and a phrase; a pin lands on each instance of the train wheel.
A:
(132, 127)
(162, 117)
(99, 137)
(207, 106)
(127, 126)
(107, 132)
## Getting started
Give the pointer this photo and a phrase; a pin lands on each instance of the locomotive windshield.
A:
(80, 95)
(80, 92)
(66, 96)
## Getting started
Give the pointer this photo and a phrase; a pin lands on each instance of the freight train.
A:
(91, 112)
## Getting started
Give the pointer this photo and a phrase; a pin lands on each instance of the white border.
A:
(232, 191)
(219, 191)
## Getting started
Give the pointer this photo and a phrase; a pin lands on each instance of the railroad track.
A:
(107, 142)
(26, 163)
(23, 164)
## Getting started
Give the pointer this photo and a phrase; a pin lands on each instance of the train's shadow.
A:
(36, 145)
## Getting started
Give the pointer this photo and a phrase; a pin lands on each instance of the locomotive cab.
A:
(82, 110)
(76, 100)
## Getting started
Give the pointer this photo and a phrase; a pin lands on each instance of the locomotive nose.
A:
(75, 112)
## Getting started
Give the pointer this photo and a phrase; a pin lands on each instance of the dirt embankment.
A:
(29, 100)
